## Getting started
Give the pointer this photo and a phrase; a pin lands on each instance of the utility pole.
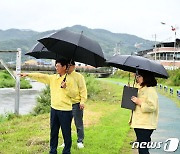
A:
(117, 49)
(155, 48)
(174, 55)
(16, 77)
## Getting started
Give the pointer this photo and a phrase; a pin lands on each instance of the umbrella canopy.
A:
(133, 63)
(75, 46)
(39, 51)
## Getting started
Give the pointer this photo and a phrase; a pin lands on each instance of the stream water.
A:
(27, 98)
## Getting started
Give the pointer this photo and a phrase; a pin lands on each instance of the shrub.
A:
(25, 84)
(6, 81)
(174, 78)
(43, 102)
(93, 87)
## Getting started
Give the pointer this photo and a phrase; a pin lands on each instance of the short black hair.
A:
(149, 79)
(62, 61)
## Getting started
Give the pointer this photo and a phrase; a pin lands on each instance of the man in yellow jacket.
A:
(78, 103)
(61, 103)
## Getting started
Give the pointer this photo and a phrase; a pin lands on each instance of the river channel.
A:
(27, 99)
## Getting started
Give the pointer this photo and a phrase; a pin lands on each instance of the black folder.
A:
(128, 92)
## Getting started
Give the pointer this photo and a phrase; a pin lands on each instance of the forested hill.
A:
(12, 39)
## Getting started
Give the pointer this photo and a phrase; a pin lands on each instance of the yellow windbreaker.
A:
(81, 96)
(61, 99)
(146, 115)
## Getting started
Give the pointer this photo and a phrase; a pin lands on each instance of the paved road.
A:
(169, 124)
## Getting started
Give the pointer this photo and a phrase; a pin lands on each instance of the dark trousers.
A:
(143, 135)
(78, 120)
(61, 119)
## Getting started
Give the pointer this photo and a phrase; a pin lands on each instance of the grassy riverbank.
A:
(106, 127)
(6, 81)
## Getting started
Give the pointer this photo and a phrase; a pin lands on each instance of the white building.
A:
(166, 53)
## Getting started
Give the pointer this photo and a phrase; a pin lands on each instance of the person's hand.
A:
(23, 75)
(136, 100)
(81, 106)
(63, 84)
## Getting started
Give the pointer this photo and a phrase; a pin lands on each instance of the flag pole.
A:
(174, 56)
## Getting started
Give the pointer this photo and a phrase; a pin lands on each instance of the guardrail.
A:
(169, 90)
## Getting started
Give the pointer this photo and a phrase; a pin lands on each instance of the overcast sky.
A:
(137, 17)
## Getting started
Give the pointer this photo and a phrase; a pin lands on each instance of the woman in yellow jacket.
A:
(145, 117)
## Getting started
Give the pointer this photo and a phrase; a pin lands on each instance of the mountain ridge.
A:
(110, 42)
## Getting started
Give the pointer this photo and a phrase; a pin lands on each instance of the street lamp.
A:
(173, 29)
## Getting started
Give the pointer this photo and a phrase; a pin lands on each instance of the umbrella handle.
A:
(134, 81)
(64, 80)
(129, 80)
(67, 72)
(135, 77)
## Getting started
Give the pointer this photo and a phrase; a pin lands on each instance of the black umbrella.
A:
(133, 63)
(39, 51)
(75, 46)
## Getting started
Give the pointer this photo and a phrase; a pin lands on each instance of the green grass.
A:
(24, 134)
(122, 80)
(6, 81)
(127, 148)
(106, 127)
(108, 135)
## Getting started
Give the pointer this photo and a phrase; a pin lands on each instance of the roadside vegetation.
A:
(106, 124)
(173, 80)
